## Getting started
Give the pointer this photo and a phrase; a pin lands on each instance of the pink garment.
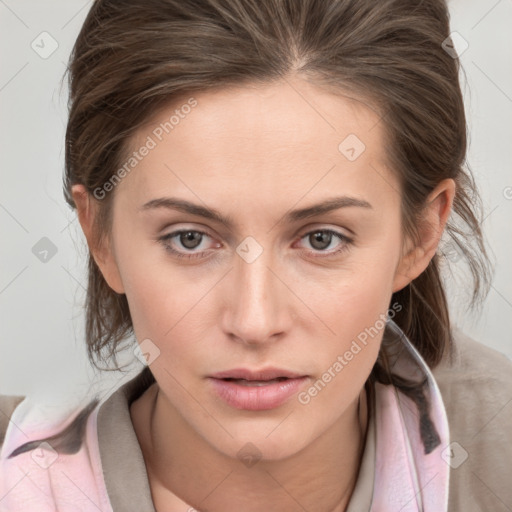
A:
(406, 478)
(42, 481)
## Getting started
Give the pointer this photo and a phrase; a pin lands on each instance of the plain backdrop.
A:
(42, 350)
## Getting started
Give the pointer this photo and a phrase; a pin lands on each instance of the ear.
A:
(435, 215)
(103, 253)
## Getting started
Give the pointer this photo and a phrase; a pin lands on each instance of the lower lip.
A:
(257, 398)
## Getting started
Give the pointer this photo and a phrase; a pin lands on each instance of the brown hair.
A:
(133, 57)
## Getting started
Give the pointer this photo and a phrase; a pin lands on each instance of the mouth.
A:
(256, 390)
(257, 383)
(262, 375)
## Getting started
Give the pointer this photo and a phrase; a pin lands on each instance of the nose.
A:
(259, 309)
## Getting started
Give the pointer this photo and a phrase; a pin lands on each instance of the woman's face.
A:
(289, 285)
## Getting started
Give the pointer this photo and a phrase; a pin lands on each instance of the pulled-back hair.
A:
(133, 57)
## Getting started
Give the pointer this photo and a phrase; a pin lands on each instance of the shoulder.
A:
(476, 387)
(469, 352)
(474, 373)
(58, 448)
(7, 405)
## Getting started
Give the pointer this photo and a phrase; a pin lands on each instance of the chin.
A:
(269, 441)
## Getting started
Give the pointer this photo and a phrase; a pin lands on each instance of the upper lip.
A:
(262, 374)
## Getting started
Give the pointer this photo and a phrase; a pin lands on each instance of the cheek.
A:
(353, 299)
(156, 298)
(168, 308)
(356, 314)
(160, 312)
(357, 321)
(353, 307)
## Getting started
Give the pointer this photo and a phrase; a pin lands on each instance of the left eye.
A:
(321, 239)
(190, 239)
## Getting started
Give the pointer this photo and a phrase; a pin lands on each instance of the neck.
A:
(191, 472)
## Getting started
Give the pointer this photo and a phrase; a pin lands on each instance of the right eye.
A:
(186, 238)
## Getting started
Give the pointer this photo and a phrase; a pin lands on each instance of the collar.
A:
(411, 472)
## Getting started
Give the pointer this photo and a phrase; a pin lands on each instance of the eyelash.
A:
(164, 239)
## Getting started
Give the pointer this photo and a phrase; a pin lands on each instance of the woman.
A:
(263, 187)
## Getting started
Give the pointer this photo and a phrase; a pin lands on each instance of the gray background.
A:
(41, 346)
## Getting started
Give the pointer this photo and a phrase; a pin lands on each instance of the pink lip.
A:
(263, 374)
(256, 398)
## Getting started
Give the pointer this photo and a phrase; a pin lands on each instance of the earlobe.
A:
(101, 252)
(407, 268)
(435, 215)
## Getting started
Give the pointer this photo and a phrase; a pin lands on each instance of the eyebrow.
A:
(184, 206)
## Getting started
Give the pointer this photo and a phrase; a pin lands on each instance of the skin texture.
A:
(254, 153)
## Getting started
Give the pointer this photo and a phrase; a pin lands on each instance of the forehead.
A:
(256, 137)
